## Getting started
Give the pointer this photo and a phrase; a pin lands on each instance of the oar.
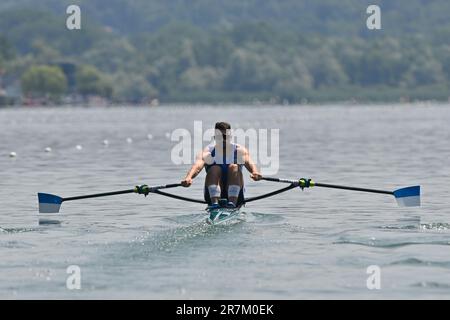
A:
(50, 203)
(406, 197)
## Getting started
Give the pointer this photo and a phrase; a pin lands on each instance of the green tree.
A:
(197, 78)
(424, 72)
(112, 55)
(381, 63)
(327, 71)
(90, 81)
(250, 71)
(43, 53)
(296, 80)
(444, 58)
(6, 52)
(133, 88)
(44, 81)
(214, 51)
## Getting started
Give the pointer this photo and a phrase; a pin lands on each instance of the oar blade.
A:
(408, 197)
(49, 203)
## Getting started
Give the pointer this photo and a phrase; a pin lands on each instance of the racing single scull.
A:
(407, 197)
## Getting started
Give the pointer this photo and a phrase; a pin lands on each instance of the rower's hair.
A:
(222, 126)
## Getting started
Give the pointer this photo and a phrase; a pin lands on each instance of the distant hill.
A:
(327, 17)
(229, 50)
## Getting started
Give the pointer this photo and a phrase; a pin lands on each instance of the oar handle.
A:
(279, 180)
(166, 186)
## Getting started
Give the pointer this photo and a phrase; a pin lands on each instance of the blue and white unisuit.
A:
(225, 160)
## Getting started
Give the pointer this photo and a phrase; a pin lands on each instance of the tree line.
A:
(245, 61)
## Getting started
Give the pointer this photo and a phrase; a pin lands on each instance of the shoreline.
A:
(423, 103)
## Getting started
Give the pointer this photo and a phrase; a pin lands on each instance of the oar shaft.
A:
(333, 186)
(99, 195)
(174, 196)
(113, 193)
(266, 195)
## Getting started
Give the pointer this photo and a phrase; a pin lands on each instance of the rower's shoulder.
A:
(209, 147)
(206, 152)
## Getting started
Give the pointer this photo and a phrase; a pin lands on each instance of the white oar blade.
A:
(49, 203)
(408, 197)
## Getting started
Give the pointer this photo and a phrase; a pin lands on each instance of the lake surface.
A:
(316, 243)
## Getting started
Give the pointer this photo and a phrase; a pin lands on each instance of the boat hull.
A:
(221, 215)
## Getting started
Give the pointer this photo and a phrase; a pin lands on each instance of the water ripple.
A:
(420, 262)
(391, 243)
(435, 226)
(16, 230)
(431, 284)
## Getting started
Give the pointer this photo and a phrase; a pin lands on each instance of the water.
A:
(312, 244)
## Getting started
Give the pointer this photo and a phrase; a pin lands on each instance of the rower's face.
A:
(221, 136)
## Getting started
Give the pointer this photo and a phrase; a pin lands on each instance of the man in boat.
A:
(223, 161)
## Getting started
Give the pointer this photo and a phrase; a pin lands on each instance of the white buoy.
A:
(167, 135)
(48, 149)
(105, 142)
(129, 140)
(12, 154)
(79, 147)
(149, 136)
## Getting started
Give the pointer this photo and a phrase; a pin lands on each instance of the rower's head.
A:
(222, 131)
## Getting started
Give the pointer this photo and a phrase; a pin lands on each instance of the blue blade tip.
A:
(407, 192)
(49, 198)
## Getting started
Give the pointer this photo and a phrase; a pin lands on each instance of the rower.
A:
(223, 161)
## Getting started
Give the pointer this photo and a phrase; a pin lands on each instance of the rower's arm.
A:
(250, 165)
(196, 168)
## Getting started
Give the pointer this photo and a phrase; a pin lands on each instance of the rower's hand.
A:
(256, 176)
(186, 182)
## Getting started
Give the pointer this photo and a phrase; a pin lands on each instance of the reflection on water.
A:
(47, 221)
